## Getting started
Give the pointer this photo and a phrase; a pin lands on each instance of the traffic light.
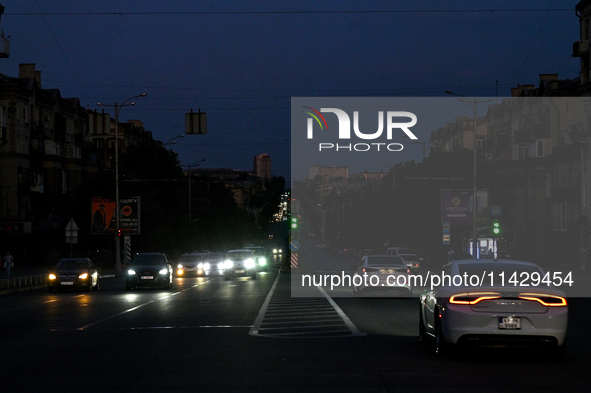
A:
(294, 222)
(119, 232)
(496, 228)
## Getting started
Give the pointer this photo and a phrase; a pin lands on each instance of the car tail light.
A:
(473, 297)
(545, 299)
(408, 271)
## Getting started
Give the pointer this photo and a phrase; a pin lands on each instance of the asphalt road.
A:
(210, 335)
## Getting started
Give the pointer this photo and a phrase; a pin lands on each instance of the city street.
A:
(199, 336)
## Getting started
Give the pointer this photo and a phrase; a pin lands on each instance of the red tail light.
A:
(473, 297)
(544, 299)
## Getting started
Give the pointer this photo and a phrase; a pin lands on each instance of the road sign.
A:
(294, 260)
(294, 245)
(446, 239)
(495, 210)
(72, 231)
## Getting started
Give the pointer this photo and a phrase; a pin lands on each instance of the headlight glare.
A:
(83, 276)
(52, 276)
(163, 271)
(249, 263)
(131, 272)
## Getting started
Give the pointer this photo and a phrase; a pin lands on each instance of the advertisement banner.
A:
(104, 218)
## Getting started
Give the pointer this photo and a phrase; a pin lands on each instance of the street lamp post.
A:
(117, 108)
(474, 104)
(195, 164)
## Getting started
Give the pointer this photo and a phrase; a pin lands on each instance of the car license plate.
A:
(239, 271)
(67, 283)
(509, 323)
(386, 271)
(147, 277)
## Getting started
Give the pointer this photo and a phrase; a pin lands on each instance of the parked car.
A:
(149, 269)
(382, 274)
(73, 273)
(193, 263)
(240, 263)
(492, 314)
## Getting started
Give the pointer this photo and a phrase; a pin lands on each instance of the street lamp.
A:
(474, 104)
(117, 108)
(172, 141)
(195, 164)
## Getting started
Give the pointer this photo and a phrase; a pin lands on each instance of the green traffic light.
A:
(496, 231)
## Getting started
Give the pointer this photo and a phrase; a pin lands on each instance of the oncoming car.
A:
(488, 314)
(382, 274)
(193, 263)
(260, 256)
(240, 263)
(149, 269)
(73, 273)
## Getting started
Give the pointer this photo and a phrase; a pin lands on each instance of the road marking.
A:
(286, 316)
(131, 309)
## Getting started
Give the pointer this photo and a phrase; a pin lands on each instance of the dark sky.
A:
(242, 61)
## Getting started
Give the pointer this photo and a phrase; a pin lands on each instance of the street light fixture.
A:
(172, 141)
(195, 164)
(474, 104)
(117, 108)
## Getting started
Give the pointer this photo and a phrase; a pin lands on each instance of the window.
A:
(537, 148)
(561, 216)
(520, 152)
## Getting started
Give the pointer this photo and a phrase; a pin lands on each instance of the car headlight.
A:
(274, 251)
(163, 271)
(249, 263)
(262, 261)
(280, 251)
(180, 272)
(131, 272)
(52, 276)
(206, 266)
(229, 264)
(179, 266)
(83, 276)
(200, 265)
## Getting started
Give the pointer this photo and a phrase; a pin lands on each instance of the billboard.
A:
(103, 216)
(457, 206)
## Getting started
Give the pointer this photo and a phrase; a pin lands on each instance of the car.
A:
(405, 250)
(457, 256)
(149, 269)
(260, 257)
(381, 274)
(73, 273)
(240, 263)
(216, 262)
(493, 312)
(277, 252)
(411, 261)
(193, 264)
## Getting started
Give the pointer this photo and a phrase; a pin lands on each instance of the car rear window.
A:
(385, 261)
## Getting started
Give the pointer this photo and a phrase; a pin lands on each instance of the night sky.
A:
(242, 61)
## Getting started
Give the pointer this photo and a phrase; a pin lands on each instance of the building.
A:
(328, 173)
(42, 159)
(262, 166)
